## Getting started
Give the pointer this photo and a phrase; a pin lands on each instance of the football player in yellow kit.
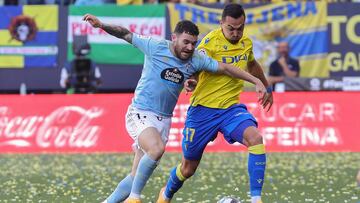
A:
(215, 106)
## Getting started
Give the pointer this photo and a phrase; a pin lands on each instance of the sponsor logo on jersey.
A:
(173, 75)
(234, 59)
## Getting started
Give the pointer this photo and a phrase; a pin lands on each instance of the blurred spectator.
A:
(31, 2)
(283, 66)
(1, 2)
(50, 1)
(89, 2)
(151, 1)
(133, 2)
(92, 2)
(64, 2)
(81, 75)
(190, 1)
(11, 2)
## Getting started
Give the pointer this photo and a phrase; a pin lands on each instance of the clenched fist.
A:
(94, 21)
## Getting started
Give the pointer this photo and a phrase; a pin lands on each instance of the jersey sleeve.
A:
(251, 55)
(206, 63)
(205, 51)
(146, 44)
(249, 44)
(204, 47)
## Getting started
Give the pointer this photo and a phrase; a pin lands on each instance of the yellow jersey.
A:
(221, 91)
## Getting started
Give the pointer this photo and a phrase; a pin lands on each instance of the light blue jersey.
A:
(163, 75)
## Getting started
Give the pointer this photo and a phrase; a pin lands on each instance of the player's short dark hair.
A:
(186, 26)
(233, 10)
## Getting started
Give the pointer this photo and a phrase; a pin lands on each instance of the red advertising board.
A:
(301, 121)
(64, 123)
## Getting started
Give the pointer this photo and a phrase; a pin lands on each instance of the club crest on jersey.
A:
(225, 47)
(202, 52)
(173, 75)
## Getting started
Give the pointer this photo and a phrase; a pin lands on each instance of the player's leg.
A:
(248, 134)
(151, 143)
(123, 189)
(240, 126)
(200, 128)
(150, 133)
(178, 176)
(256, 161)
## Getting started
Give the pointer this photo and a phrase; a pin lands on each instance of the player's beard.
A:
(183, 54)
(234, 41)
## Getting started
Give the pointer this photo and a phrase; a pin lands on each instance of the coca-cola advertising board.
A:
(64, 123)
(299, 121)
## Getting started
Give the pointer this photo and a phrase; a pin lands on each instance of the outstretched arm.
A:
(114, 30)
(240, 74)
(255, 69)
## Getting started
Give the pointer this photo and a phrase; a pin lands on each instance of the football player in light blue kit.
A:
(167, 65)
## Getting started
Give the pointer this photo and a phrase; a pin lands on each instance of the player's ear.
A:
(173, 37)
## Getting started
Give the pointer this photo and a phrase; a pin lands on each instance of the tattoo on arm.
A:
(118, 31)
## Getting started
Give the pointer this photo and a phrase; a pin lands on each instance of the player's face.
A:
(184, 45)
(233, 28)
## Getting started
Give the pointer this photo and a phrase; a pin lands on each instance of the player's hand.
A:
(260, 91)
(94, 21)
(267, 101)
(190, 85)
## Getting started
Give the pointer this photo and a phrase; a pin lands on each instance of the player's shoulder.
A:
(246, 40)
(150, 38)
(199, 54)
(211, 37)
(214, 33)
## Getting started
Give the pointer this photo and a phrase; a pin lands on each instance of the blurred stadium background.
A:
(58, 147)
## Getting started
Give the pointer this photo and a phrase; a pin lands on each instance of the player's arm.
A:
(255, 69)
(114, 30)
(240, 74)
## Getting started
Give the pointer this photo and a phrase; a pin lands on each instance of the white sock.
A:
(255, 199)
(166, 198)
(133, 195)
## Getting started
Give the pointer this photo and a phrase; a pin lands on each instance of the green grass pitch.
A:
(290, 177)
